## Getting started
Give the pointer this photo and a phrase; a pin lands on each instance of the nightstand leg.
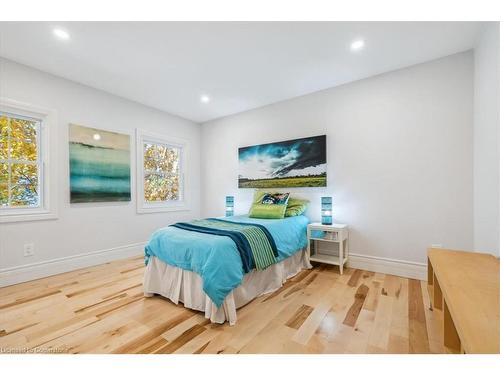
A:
(341, 257)
(308, 256)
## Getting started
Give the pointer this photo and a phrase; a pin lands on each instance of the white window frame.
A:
(47, 208)
(150, 207)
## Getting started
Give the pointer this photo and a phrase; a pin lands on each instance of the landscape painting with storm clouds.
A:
(295, 163)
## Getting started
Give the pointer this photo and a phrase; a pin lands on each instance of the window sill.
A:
(27, 216)
(148, 210)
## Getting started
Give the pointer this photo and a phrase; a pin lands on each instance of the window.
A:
(161, 163)
(20, 161)
(161, 172)
(24, 187)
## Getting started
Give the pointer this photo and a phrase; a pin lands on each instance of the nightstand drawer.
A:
(324, 235)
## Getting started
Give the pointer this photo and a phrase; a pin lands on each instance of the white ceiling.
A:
(240, 65)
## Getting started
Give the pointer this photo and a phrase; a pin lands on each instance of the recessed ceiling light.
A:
(205, 99)
(61, 34)
(357, 45)
(96, 136)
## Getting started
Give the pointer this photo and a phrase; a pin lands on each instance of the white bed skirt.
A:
(180, 285)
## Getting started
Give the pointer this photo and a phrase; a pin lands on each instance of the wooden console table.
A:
(466, 286)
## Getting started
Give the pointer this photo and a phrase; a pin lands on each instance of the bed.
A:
(207, 272)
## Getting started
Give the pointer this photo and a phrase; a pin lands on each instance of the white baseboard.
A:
(411, 270)
(28, 272)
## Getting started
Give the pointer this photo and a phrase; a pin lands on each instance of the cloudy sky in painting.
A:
(299, 157)
(98, 137)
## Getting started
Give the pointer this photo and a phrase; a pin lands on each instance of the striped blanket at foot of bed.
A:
(253, 241)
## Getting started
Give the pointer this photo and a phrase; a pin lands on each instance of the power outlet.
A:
(29, 249)
(437, 246)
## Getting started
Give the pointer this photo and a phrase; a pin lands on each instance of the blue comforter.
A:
(216, 258)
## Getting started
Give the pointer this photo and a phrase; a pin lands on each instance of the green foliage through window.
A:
(19, 162)
(161, 172)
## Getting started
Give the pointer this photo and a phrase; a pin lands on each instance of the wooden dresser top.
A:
(470, 283)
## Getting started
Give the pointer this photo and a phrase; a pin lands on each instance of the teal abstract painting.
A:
(99, 165)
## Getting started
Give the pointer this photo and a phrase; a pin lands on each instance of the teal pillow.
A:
(296, 207)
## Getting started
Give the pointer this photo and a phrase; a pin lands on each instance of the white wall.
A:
(399, 162)
(487, 140)
(84, 228)
(399, 156)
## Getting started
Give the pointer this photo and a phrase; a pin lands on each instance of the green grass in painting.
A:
(309, 181)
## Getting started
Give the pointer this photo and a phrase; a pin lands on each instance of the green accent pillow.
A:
(269, 205)
(296, 207)
(267, 211)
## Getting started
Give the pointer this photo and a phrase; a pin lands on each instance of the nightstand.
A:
(336, 233)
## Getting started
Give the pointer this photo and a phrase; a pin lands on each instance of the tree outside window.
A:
(20, 162)
(161, 172)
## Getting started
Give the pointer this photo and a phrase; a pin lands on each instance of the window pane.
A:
(4, 152)
(158, 188)
(4, 194)
(161, 158)
(23, 195)
(4, 132)
(4, 126)
(25, 174)
(4, 173)
(24, 185)
(20, 150)
(23, 129)
(23, 139)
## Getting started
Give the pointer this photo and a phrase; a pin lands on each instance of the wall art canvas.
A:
(295, 163)
(99, 164)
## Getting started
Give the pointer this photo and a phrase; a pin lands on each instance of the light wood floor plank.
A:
(419, 340)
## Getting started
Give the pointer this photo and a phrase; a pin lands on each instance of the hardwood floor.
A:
(102, 309)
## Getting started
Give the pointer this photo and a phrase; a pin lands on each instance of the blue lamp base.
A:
(326, 220)
(229, 205)
(326, 210)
